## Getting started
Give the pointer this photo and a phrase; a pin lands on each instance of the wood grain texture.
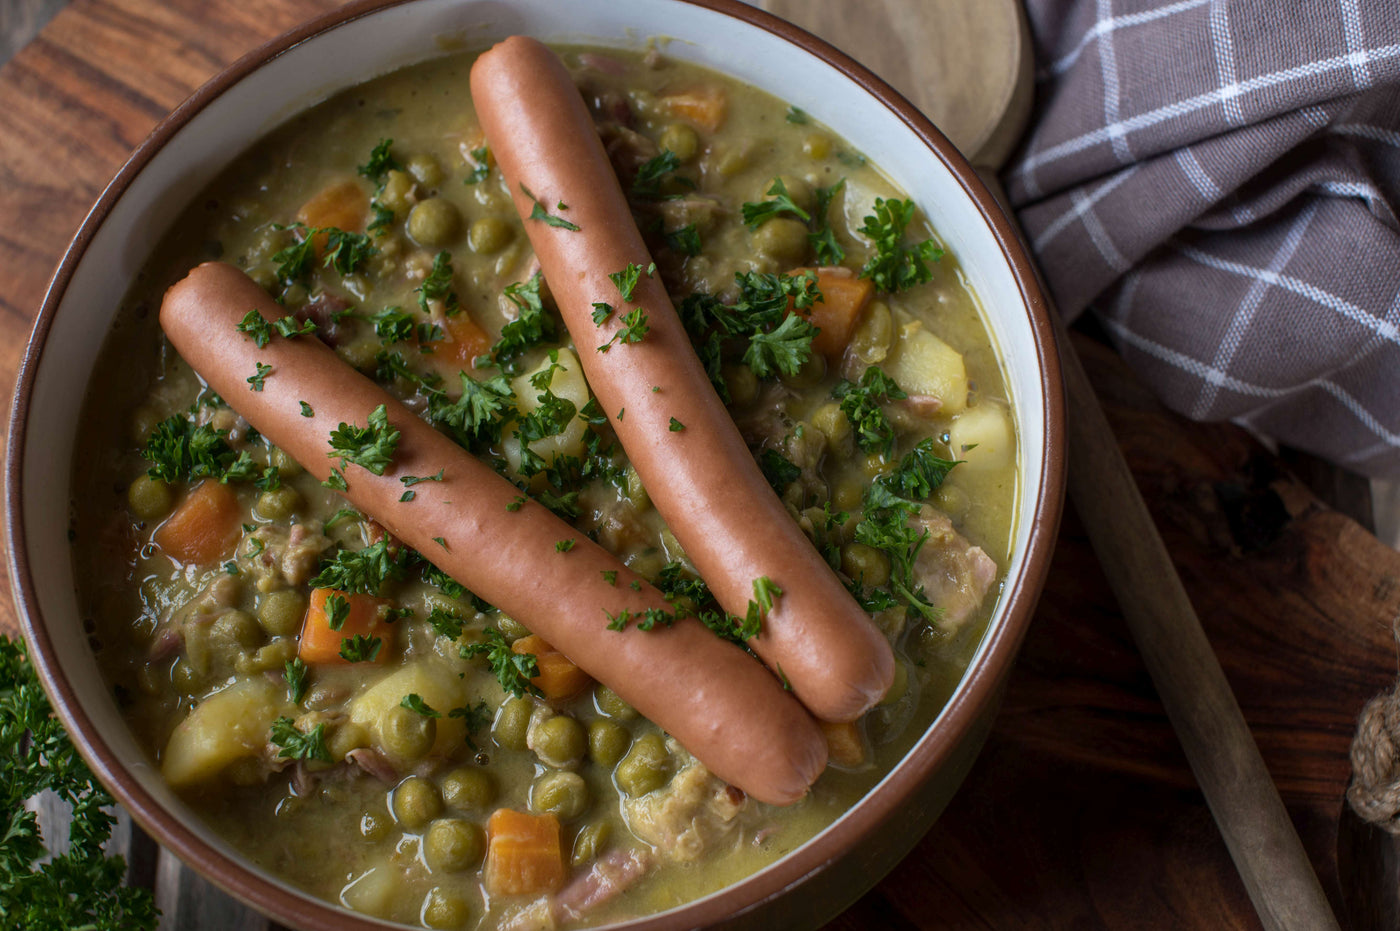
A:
(1082, 812)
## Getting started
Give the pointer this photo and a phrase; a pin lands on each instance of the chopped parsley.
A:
(290, 328)
(823, 238)
(445, 623)
(685, 240)
(895, 267)
(861, 405)
(784, 349)
(337, 611)
(676, 426)
(295, 673)
(392, 325)
(360, 649)
(610, 576)
(346, 252)
(627, 279)
(411, 480)
(438, 285)
(798, 116)
(481, 166)
(336, 481)
(756, 214)
(362, 571)
(408, 495)
(381, 161)
(601, 312)
(778, 469)
(414, 702)
(474, 717)
(513, 670)
(478, 415)
(255, 326)
(633, 330)
(178, 450)
(371, 447)
(292, 744)
(653, 173)
(533, 324)
(306, 410)
(563, 546)
(258, 377)
(538, 212)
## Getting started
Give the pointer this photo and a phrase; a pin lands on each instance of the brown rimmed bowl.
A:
(191, 146)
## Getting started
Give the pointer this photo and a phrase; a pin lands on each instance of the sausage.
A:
(724, 707)
(700, 475)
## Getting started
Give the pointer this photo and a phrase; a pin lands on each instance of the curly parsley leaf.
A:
(919, 474)
(479, 414)
(293, 744)
(823, 238)
(513, 670)
(438, 285)
(392, 325)
(255, 326)
(414, 702)
(371, 447)
(294, 671)
(255, 380)
(627, 279)
(895, 267)
(360, 648)
(178, 450)
(778, 469)
(653, 174)
(533, 324)
(475, 717)
(538, 212)
(785, 349)
(363, 571)
(756, 214)
(634, 329)
(381, 161)
(860, 402)
(82, 887)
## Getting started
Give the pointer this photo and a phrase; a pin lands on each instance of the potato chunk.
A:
(226, 727)
(439, 688)
(924, 365)
(982, 437)
(568, 383)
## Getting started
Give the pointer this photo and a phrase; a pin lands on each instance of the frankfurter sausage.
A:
(676, 431)
(725, 708)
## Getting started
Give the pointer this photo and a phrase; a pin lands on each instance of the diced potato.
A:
(226, 727)
(922, 364)
(374, 891)
(567, 382)
(982, 437)
(439, 688)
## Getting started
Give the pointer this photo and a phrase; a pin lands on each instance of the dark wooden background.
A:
(1081, 813)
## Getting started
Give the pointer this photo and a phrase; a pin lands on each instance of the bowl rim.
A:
(980, 684)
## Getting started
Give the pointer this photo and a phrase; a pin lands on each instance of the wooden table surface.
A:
(1081, 813)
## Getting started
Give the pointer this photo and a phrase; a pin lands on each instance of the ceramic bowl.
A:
(367, 38)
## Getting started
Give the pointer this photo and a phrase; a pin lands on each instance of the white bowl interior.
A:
(382, 42)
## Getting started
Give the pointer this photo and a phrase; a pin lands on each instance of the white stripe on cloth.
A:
(1244, 314)
(1064, 63)
(1356, 44)
(1099, 236)
(1225, 380)
(1384, 329)
(1225, 62)
(1186, 107)
(1077, 210)
(1203, 183)
(1108, 66)
(1367, 131)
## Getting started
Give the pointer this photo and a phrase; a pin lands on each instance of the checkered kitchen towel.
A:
(1219, 181)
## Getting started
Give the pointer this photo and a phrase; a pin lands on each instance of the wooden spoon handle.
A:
(1219, 746)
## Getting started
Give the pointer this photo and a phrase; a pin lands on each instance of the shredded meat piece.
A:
(374, 763)
(610, 876)
(627, 149)
(955, 574)
(694, 813)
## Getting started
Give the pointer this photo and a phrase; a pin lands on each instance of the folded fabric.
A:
(1219, 182)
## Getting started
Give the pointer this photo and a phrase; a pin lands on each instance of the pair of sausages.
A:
(726, 709)
(701, 477)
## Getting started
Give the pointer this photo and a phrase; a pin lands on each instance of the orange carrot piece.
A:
(205, 526)
(342, 204)
(845, 746)
(524, 853)
(844, 298)
(465, 340)
(705, 107)
(559, 678)
(365, 617)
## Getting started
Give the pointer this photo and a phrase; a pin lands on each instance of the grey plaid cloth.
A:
(1219, 181)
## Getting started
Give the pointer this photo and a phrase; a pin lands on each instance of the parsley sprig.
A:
(894, 266)
(294, 744)
(861, 404)
(371, 447)
(180, 451)
(513, 670)
(363, 571)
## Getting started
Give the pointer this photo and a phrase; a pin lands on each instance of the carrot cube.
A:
(363, 615)
(559, 678)
(204, 527)
(524, 853)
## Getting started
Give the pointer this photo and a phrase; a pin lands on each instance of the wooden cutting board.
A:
(1081, 813)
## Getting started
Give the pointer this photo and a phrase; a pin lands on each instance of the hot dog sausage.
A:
(724, 707)
(675, 429)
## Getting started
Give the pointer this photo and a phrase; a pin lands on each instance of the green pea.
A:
(590, 841)
(611, 704)
(469, 789)
(636, 492)
(510, 628)
(347, 738)
(646, 766)
(149, 498)
(373, 826)
(415, 802)
(865, 564)
(434, 222)
(425, 169)
(185, 678)
(680, 139)
(809, 375)
(278, 503)
(513, 723)
(832, 421)
(607, 741)
(899, 686)
(268, 657)
(489, 235)
(847, 494)
(562, 794)
(452, 845)
(743, 384)
(731, 162)
(444, 908)
(285, 464)
(874, 334)
(281, 612)
(560, 741)
(396, 191)
(143, 420)
(406, 734)
(782, 240)
(234, 629)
